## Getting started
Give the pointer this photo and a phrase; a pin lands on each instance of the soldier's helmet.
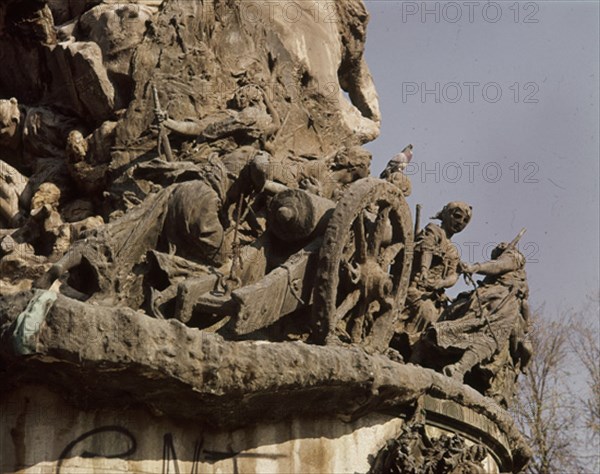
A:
(499, 250)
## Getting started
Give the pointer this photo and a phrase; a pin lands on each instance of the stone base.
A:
(42, 434)
(92, 389)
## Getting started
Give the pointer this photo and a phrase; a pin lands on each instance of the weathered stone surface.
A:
(118, 357)
(66, 10)
(74, 441)
(299, 71)
(200, 162)
(303, 68)
(88, 77)
(117, 29)
(37, 69)
(100, 64)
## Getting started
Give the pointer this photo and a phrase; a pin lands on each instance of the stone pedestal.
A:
(89, 389)
(43, 434)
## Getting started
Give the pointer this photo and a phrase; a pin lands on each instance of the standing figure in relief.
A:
(434, 268)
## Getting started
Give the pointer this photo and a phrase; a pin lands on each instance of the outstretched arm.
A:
(187, 128)
(507, 262)
(448, 282)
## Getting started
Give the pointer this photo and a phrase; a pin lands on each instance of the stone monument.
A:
(199, 274)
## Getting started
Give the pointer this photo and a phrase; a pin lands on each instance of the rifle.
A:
(515, 241)
(163, 138)
(417, 220)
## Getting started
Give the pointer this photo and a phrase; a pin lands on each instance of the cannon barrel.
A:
(295, 215)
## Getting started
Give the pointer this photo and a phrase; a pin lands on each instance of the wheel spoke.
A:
(359, 320)
(360, 237)
(389, 254)
(381, 224)
(348, 303)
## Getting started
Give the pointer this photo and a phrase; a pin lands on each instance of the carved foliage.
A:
(413, 452)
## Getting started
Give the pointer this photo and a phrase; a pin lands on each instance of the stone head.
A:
(499, 250)
(355, 159)
(77, 146)
(455, 216)
(46, 197)
(10, 119)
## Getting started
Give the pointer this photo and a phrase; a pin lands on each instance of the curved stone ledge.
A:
(105, 357)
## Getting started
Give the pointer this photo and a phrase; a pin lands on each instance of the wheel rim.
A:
(364, 265)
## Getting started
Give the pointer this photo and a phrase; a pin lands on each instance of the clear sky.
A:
(501, 104)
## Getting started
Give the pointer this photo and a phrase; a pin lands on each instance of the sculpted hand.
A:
(433, 285)
(466, 268)
(160, 116)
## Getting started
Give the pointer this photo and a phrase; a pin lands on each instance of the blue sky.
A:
(501, 104)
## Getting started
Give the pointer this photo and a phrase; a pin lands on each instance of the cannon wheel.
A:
(364, 267)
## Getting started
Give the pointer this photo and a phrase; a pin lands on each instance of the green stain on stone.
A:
(29, 322)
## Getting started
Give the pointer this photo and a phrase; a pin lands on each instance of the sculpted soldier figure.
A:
(88, 158)
(27, 133)
(188, 220)
(50, 236)
(484, 331)
(251, 118)
(434, 268)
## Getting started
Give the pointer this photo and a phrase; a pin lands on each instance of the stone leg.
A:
(458, 370)
(71, 259)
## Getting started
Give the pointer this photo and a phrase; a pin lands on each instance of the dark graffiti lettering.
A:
(128, 442)
(200, 455)
(169, 454)
(130, 445)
